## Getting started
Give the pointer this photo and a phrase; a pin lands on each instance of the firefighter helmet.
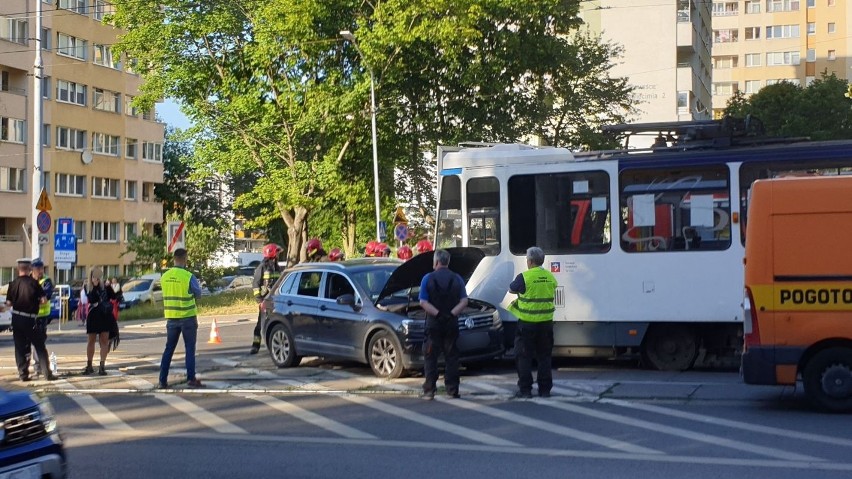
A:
(370, 249)
(312, 246)
(335, 255)
(424, 246)
(404, 253)
(383, 250)
(271, 251)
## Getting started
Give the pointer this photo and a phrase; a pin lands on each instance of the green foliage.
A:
(148, 252)
(821, 111)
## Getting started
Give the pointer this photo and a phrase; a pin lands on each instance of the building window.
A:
(103, 56)
(71, 185)
(811, 3)
(752, 33)
(131, 148)
(148, 192)
(70, 138)
(78, 6)
(811, 28)
(14, 30)
(104, 232)
(752, 59)
(752, 6)
(148, 114)
(725, 62)
(721, 9)
(80, 272)
(131, 230)
(130, 190)
(683, 99)
(792, 81)
(105, 144)
(45, 134)
(724, 88)
(811, 54)
(111, 271)
(128, 106)
(832, 55)
(71, 46)
(809, 80)
(782, 58)
(45, 38)
(832, 27)
(105, 100)
(783, 5)
(12, 179)
(45, 87)
(13, 130)
(104, 188)
(752, 86)
(152, 151)
(782, 31)
(101, 9)
(728, 35)
(80, 231)
(70, 92)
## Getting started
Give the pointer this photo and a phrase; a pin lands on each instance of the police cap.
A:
(38, 263)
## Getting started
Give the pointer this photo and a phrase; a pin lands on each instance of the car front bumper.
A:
(473, 346)
(46, 455)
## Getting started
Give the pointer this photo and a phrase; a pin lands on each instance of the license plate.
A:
(29, 472)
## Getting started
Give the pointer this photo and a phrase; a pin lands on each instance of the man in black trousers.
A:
(25, 296)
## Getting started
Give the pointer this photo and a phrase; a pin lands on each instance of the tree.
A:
(820, 111)
(149, 252)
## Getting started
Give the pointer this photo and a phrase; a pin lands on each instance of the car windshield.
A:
(137, 286)
(373, 280)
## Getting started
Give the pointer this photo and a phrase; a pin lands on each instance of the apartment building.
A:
(761, 42)
(102, 157)
(666, 53)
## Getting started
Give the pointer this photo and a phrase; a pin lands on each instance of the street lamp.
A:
(347, 35)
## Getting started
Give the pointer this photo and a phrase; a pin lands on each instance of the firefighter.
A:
(315, 252)
(370, 249)
(424, 246)
(335, 255)
(383, 251)
(265, 275)
(404, 253)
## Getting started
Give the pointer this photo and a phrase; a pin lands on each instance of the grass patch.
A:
(230, 302)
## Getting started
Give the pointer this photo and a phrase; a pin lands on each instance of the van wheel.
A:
(827, 378)
(385, 355)
(281, 347)
(670, 348)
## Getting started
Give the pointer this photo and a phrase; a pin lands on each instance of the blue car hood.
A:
(409, 274)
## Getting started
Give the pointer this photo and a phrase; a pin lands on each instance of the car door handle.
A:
(289, 303)
(322, 307)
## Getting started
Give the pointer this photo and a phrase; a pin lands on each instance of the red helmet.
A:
(335, 255)
(424, 246)
(271, 251)
(404, 252)
(370, 249)
(383, 250)
(312, 246)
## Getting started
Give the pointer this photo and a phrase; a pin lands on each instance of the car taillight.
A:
(751, 327)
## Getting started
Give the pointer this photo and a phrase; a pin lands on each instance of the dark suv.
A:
(368, 310)
(30, 445)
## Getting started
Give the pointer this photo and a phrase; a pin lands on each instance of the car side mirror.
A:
(346, 300)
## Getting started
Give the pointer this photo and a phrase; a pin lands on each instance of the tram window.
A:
(483, 213)
(675, 210)
(751, 172)
(449, 214)
(560, 213)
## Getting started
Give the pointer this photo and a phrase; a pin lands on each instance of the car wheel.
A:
(282, 350)
(384, 355)
(827, 378)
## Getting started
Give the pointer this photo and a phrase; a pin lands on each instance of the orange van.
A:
(798, 278)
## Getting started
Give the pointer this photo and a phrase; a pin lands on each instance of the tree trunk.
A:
(296, 221)
(350, 227)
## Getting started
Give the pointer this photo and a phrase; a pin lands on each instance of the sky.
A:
(170, 112)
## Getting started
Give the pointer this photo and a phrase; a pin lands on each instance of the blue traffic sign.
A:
(401, 232)
(64, 248)
(383, 231)
(43, 221)
(65, 226)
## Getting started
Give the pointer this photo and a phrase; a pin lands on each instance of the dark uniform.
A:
(25, 296)
(265, 276)
(444, 289)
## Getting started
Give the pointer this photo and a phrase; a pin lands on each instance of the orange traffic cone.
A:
(214, 334)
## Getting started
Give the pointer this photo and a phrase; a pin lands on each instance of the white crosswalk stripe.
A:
(312, 418)
(96, 410)
(200, 414)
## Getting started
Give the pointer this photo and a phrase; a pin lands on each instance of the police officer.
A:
(25, 296)
(536, 288)
(44, 309)
(180, 290)
(265, 275)
(443, 297)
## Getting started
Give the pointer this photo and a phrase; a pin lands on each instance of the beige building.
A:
(666, 53)
(102, 157)
(760, 42)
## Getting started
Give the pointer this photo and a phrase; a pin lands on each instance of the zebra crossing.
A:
(343, 408)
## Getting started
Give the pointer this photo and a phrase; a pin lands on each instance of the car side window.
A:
(309, 283)
(287, 285)
(337, 285)
(157, 286)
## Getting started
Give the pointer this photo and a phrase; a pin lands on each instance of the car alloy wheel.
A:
(385, 355)
(281, 349)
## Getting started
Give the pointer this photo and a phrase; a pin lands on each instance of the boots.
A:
(88, 369)
(102, 370)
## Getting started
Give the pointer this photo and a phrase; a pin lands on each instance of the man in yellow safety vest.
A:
(536, 288)
(180, 290)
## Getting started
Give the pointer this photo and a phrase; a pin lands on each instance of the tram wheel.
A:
(670, 348)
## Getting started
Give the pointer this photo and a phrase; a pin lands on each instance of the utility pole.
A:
(38, 150)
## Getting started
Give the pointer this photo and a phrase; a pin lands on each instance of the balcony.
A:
(11, 247)
(14, 103)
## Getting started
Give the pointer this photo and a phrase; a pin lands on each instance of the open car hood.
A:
(409, 274)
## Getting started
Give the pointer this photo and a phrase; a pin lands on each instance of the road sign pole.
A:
(38, 158)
